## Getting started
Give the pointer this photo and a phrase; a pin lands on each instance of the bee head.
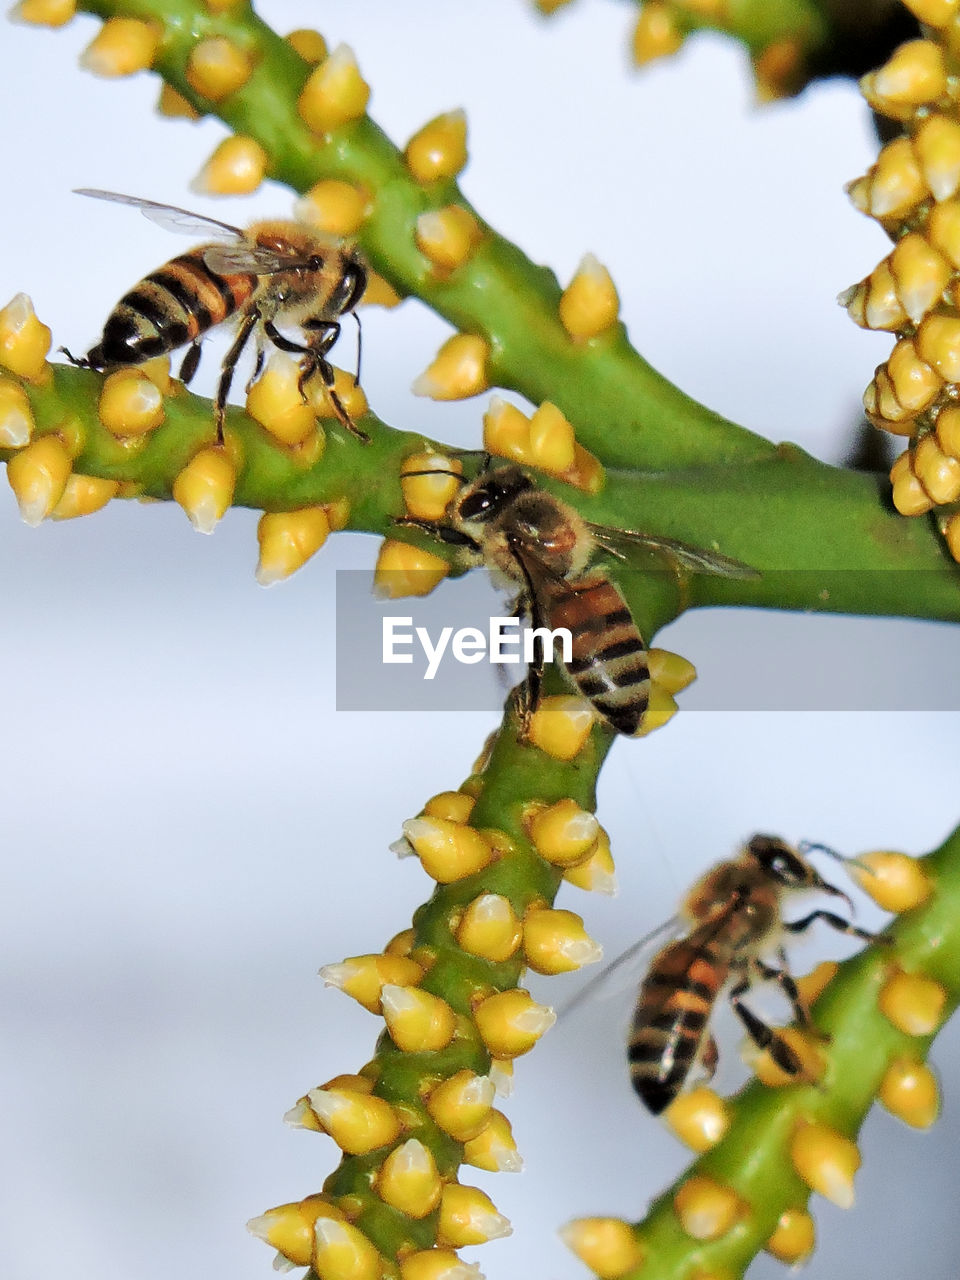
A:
(491, 492)
(782, 863)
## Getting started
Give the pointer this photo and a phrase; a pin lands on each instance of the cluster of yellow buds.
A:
(545, 440)
(913, 191)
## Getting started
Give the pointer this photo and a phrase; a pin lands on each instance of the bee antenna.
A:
(435, 471)
(811, 846)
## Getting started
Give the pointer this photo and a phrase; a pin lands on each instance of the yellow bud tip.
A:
(913, 1003)
(589, 304)
(16, 416)
(335, 93)
(342, 1252)
(894, 881)
(561, 726)
(794, 1239)
(409, 1181)
(217, 67)
(661, 707)
(418, 1022)
(468, 1217)
(555, 941)
(437, 1264)
(44, 13)
(493, 1148)
(427, 496)
(130, 404)
(553, 446)
(204, 488)
(699, 1118)
(122, 47)
(439, 149)
(357, 1122)
(656, 34)
(706, 1209)
(826, 1161)
(310, 44)
(909, 1091)
(24, 341)
(300, 1116)
(337, 208)
(607, 1245)
(237, 167)
(511, 1022)
(287, 541)
(83, 495)
(175, 106)
(458, 372)
(405, 570)
(490, 928)
(670, 671)
(447, 237)
(448, 850)
(38, 477)
(563, 833)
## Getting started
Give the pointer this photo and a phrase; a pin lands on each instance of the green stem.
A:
(753, 1158)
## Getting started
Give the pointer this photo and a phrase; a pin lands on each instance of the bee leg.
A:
(257, 368)
(765, 1037)
(446, 533)
(78, 362)
(250, 322)
(784, 980)
(190, 362)
(709, 1057)
(313, 359)
(835, 922)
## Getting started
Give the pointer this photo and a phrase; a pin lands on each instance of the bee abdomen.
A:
(608, 657)
(168, 308)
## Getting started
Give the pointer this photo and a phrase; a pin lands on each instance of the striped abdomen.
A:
(608, 657)
(674, 1005)
(168, 308)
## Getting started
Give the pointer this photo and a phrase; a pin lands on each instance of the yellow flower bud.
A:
(826, 1161)
(893, 186)
(563, 833)
(468, 1216)
(894, 881)
(699, 1118)
(951, 533)
(16, 416)
(914, 76)
(461, 1105)
(83, 495)
(217, 67)
(552, 442)
(511, 1022)
(408, 1179)
(913, 1003)
(934, 13)
(357, 1122)
(506, 430)
(597, 874)
(448, 850)
(335, 93)
(439, 149)
(289, 1227)
(364, 977)
(287, 541)
(777, 70)
(448, 237)
(555, 941)
(587, 471)
(914, 383)
(45, 13)
(909, 496)
(204, 488)
(401, 944)
(454, 806)
(661, 707)
(379, 293)
(237, 167)
(342, 1252)
(494, 1148)
(130, 404)
(459, 370)
(707, 1210)
(122, 47)
(347, 391)
(656, 34)
(948, 431)
(943, 229)
(437, 1264)
(804, 1044)
(937, 471)
(418, 1022)
(335, 207)
(310, 44)
(174, 105)
(811, 985)
(669, 670)
(427, 497)
(608, 1246)
(38, 477)
(490, 928)
(277, 403)
(24, 341)
(561, 725)
(937, 147)
(909, 1091)
(795, 1237)
(589, 304)
(405, 570)
(921, 275)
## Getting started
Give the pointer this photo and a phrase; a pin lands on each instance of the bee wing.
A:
(628, 968)
(240, 259)
(169, 216)
(698, 559)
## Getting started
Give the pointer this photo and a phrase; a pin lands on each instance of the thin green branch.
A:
(753, 1158)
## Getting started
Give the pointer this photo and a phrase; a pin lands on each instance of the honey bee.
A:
(542, 546)
(736, 916)
(274, 273)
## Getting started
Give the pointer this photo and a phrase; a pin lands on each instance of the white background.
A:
(190, 830)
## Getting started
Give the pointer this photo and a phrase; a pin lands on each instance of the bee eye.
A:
(477, 504)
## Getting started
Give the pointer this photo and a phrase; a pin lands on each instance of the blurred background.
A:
(190, 829)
